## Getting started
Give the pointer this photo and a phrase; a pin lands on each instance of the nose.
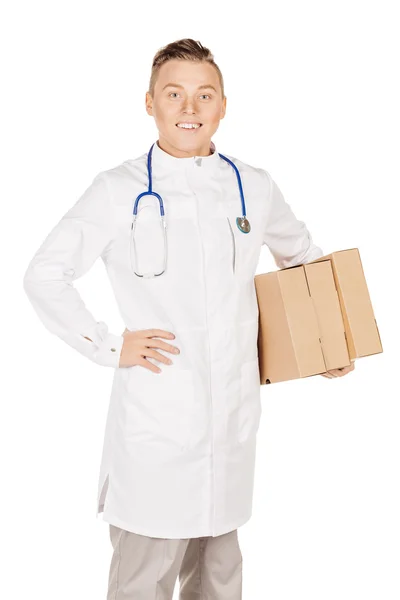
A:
(188, 105)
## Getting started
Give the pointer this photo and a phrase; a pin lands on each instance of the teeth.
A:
(189, 125)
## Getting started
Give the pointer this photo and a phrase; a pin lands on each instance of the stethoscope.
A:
(242, 222)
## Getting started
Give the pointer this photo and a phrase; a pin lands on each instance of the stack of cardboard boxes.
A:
(314, 317)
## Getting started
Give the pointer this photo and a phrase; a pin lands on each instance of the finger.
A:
(158, 333)
(335, 372)
(343, 371)
(156, 355)
(148, 365)
(162, 345)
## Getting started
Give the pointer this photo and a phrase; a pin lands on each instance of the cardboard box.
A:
(314, 317)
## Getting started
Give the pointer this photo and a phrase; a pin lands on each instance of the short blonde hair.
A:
(185, 49)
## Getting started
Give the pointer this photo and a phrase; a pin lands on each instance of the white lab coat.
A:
(179, 448)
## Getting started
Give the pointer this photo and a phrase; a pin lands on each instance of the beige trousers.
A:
(146, 568)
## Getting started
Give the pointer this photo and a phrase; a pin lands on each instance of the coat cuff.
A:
(108, 352)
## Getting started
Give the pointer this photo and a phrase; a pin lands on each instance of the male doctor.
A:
(177, 470)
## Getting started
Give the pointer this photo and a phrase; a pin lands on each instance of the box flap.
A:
(325, 298)
(277, 359)
(302, 321)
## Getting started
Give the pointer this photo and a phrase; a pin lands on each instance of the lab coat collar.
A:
(161, 160)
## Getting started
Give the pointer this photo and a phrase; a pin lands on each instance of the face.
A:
(186, 91)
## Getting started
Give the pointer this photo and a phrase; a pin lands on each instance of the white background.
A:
(312, 97)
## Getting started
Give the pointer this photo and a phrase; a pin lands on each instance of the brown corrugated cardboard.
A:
(301, 330)
(314, 317)
(361, 328)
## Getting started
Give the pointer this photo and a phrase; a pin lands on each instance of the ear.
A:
(223, 109)
(149, 104)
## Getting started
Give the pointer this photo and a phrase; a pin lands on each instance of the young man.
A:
(177, 471)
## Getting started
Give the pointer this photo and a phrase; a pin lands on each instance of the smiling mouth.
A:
(189, 127)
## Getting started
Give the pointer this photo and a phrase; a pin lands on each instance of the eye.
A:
(206, 95)
(173, 93)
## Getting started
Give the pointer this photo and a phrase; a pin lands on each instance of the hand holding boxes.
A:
(314, 317)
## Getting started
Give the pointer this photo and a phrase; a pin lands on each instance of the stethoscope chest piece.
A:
(243, 224)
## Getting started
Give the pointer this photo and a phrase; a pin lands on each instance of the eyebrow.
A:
(201, 87)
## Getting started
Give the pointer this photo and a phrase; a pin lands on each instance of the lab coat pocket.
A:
(247, 246)
(233, 245)
(242, 248)
(160, 407)
(250, 407)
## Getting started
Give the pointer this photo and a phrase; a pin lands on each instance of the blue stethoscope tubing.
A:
(241, 222)
(160, 200)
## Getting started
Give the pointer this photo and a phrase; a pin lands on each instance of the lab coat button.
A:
(112, 349)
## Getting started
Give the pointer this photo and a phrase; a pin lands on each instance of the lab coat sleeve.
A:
(287, 238)
(67, 253)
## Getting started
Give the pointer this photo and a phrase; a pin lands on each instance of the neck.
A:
(203, 150)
